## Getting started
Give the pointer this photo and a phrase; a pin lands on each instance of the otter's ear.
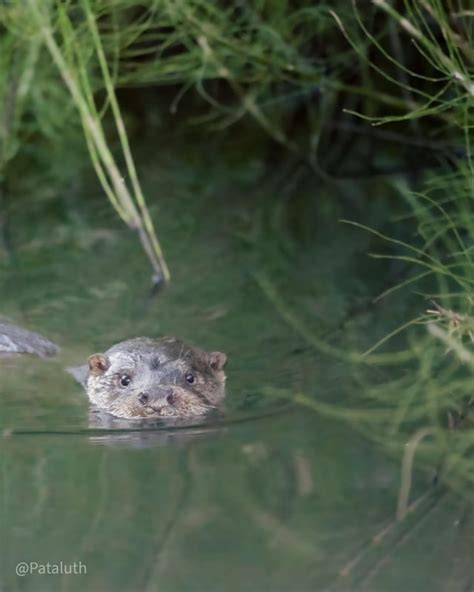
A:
(98, 364)
(217, 360)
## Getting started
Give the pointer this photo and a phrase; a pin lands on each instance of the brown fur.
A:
(165, 377)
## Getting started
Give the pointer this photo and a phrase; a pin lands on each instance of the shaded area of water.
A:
(273, 496)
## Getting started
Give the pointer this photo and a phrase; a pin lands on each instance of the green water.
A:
(287, 502)
(273, 496)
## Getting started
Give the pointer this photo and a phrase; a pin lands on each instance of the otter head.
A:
(155, 378)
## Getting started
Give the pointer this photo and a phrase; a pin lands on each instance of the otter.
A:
(138, 378)
(159, 378)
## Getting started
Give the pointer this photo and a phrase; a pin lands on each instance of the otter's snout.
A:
(159, 397)
(143, 398)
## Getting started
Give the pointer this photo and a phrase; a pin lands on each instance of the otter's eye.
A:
(189, 378)
(125, 380)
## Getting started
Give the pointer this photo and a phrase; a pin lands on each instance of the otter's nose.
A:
(143, 398)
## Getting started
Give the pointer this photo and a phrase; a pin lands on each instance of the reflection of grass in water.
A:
(428, 391)
(427, 383)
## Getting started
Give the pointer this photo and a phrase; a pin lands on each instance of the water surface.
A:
(271, 497)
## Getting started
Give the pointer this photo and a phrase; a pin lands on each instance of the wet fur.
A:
(158, 369)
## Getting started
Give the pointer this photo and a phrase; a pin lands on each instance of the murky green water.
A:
(273, 497)
(288, 501)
